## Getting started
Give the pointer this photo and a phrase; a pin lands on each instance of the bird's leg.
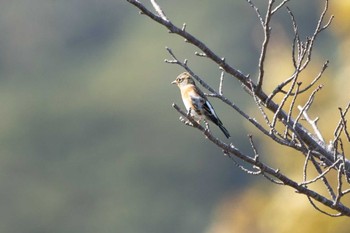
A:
(206, 125)
(207, 129)
(189, 112)
(187, 122)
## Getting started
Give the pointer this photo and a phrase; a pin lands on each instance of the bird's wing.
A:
(202, 105)
(210, 112)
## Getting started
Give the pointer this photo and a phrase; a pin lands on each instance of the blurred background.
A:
(90, 142)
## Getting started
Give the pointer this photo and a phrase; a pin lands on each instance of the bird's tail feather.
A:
(224, 130)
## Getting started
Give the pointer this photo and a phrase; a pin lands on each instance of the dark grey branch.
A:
(314, 148)
(229, 149)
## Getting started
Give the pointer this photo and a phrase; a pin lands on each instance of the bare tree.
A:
(320, 156)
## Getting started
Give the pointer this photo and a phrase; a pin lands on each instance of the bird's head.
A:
(183, 79)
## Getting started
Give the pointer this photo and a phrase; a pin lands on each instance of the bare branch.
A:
(291, 107)
(340, 126)
(256, 11)
(313, 123)
(249, 172)
(280, 107)
(267, 31)
(296, 135)
(344, 123)
(279, 6)
(307, 104)
(342, 156)
(318, 30)
(230, 149)
(273, 133)
(159, 10)
(183, 27)
(345, 192)
(256, 155)
(340, 185)
(221, 81)
(322, 211)
(193, 40)
(272, 180)
(321, 175)
(305, 167)
(311, 84)
(296, 39)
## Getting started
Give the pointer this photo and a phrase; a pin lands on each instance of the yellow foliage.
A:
(341, 9)
(272, 210)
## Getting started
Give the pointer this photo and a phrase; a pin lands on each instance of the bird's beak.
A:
(173, 82)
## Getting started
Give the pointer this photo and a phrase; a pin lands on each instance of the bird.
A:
(196, 102)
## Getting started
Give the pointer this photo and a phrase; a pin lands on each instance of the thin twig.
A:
(322, 211)
(291, 107)
(285, 98)
(340, 126)
(304, 51)
(267, 31)
(221, 81)
(307, 104)
(313, 123)
(256, 154)
(256, 9)
(266, 169)
(342, 117)
(319, 75)
(323, 177)
(342, 153)
(272, 180)
(317, 31)
(345, 192)
(307, 158)
(279, 6)
(249, 172)
(296, 39)
(159, 10)
(321, 174)
(340, 185)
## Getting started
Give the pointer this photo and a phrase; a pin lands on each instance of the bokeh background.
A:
(90, 142)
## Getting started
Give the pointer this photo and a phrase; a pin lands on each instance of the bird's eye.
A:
(179, 80)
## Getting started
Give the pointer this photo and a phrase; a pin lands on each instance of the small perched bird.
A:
(196, 102)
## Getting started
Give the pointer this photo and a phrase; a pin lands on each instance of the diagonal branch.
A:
(324, 153)
(305, 142)
(193, 40)
(230, 149)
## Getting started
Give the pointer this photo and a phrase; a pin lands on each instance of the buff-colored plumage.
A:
(196, 102)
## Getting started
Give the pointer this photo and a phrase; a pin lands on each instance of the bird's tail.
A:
(224, 130)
